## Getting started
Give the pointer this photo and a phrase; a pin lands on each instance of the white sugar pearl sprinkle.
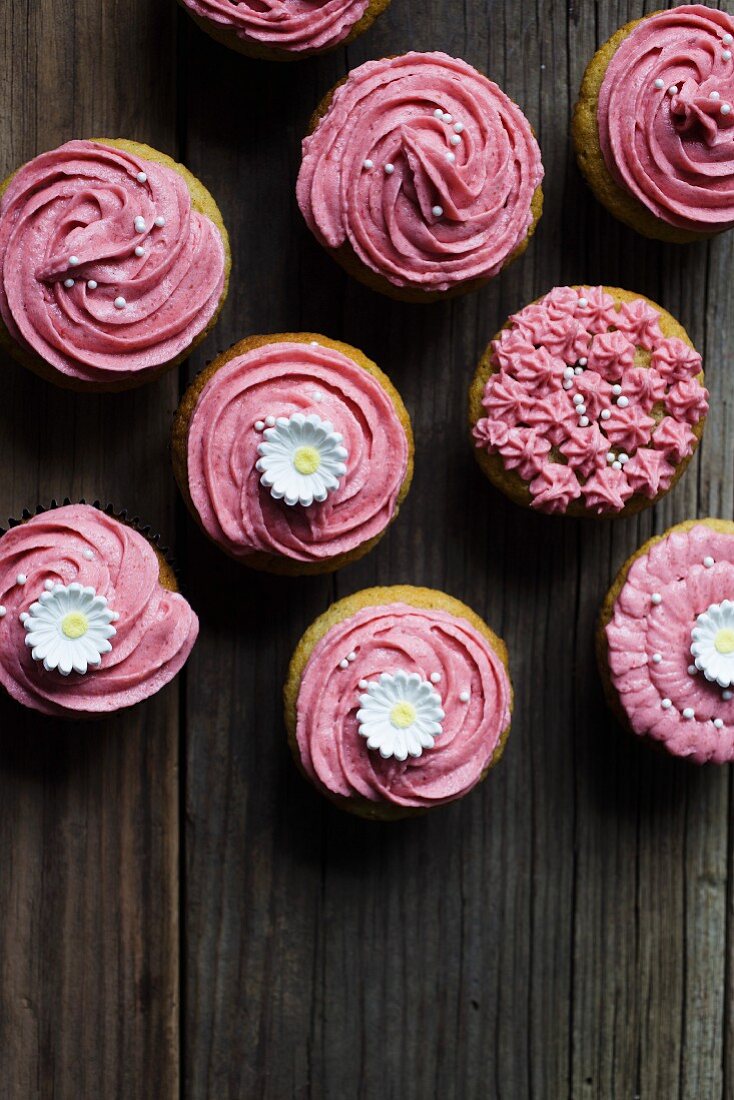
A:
(344, 663)
(605, 414)
(437, 211)
(611, 457)
(447, 117)
(68, 283)
(459, 127)
(455, 139)
(623, 402)
(657, 658)
(692, 670)
(624, 458)
(160, 221)
(451, 158)
(656, 598)
(727, 695)
(368, 164)
(48, 585)
(583, 361)
(725, 108)
(708, 562)
(3, 611)
(584, 422)
(270, 421)
(715, 95)
(568, 384)
(727, 38)
(23, 616)
(140, 224)
(120, 303)
(616, 389)
(73, 261)
(672, 90)
(141, 177)
(726, 54)
(581, 409)
(659, 84)
(89, 554)
(389, 169)
(351, 656)
(363, 685)
(578, 399)
(688, 712)
(92, 284)
(435, 677)
(578, 370)
(666, 704)
(719, 723)
(438, 113)
(583, 302)
(21, 579)
(259, 425)
(617, 465)
(568, 372)
(464, 696)
(139, 251)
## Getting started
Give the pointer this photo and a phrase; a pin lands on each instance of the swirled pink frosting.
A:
(390, 638)
(281, 379)
(156, 629)
(420, 203)
(579, 382)
(82, 201)
(673, 152)
(297, 25)
(639, 630)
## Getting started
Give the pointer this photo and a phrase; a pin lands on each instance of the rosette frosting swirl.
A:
(443, 649)
(106, 271)
(649, 639)
(665, 118)
(155, 628)
(279, 380)
(425, 168)
(295, 25)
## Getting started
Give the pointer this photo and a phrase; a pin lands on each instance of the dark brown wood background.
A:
(180, 915)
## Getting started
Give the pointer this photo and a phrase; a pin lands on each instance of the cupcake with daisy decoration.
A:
(589, 402)
(397, 700)
(665, 642)
(294, 452)
(91, 620)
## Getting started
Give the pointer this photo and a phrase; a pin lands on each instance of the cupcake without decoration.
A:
(90, 617)
(421, 177)
(397, 700)
(654, 124)
(293, 452)
(589, 402)
(114, 264)
(284, 30)
(665, 641)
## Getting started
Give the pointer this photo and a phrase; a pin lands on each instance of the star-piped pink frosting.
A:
(156, 629)
(673, 152)
(424, 168)
(612, 397)
(650, 644)
(72, 288)
(385, 639)
(299, 26)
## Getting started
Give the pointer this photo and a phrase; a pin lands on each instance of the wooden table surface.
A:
(180, 914)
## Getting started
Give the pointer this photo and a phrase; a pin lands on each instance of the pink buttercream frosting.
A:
(650, 644)
(673, 152)
(423, 201)
(70, 216)
(386, 639)
(156, 628)
(278, 380)
(589, 401)
(295, 25)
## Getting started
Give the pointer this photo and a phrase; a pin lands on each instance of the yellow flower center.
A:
(402, 715)
(74, 625)
(724, 641)
(307, 460)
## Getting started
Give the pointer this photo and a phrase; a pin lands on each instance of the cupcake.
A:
(293, 452)
(397, 699)
(284, 30)
(665, 641)
(114, 263)
(653, 124)
(90, 617)
(421, 177)
(589, 402)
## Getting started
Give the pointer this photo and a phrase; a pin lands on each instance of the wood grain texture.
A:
(89, 940)
(565, 931)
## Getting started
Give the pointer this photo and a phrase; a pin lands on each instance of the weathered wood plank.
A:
(88, 816)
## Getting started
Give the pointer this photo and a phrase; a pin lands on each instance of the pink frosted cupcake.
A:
(114, 264)
(666, 641)
(397, 700)
(90, 617)
(589, 402)
(284, 30)
(421, 177)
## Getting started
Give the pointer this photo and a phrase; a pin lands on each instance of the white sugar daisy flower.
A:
(400, 715)
(713, 643)
(301, 459)
(69, 628)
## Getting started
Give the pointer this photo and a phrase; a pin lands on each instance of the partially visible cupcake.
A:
(589, 402)
(665, 641)
(90, 617)
(293, 452)
(421, 177)
(284, 30)
(114, 264)
(397, 700)
(653, 124)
